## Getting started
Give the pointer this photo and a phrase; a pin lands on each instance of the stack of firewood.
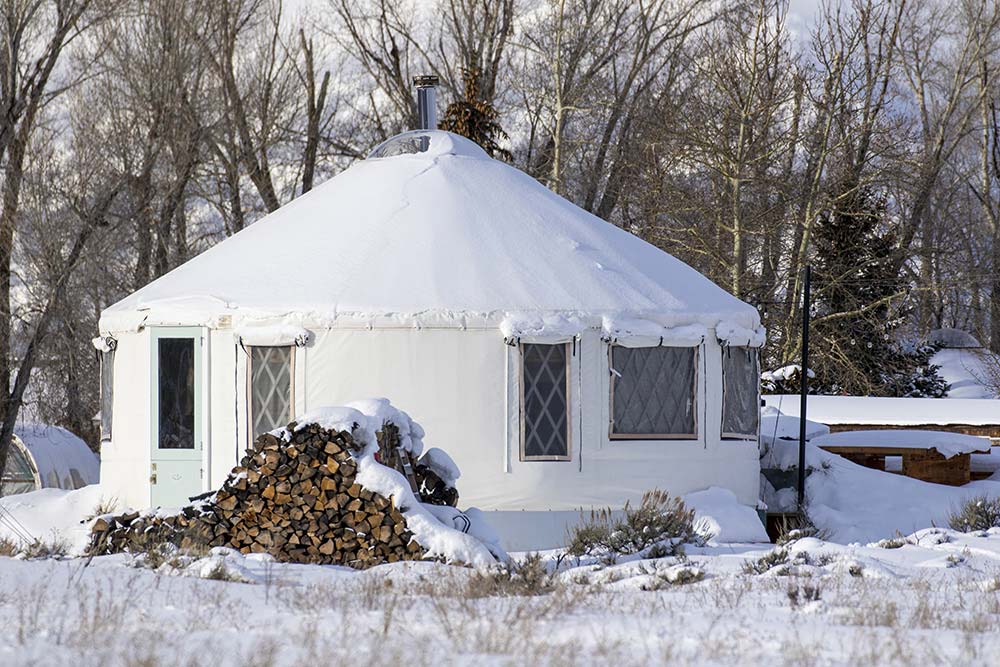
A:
(295, 498)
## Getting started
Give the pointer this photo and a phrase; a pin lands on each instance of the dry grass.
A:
(448, 615)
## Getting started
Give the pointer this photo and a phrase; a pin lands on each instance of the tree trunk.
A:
(995, 294)
(315, 102)
(15, 398)
(13, 177)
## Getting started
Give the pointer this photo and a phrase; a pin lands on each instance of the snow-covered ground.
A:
(969, 372)
(888, 583)
(931, 600)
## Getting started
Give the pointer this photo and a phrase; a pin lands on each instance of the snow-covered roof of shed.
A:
(952, 338)
(62, 460)
(429, 229)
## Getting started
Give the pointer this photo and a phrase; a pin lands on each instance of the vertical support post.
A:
(804, 389)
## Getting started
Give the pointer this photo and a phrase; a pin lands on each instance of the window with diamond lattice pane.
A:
(545, 404)
(740, 389)
(653, 391)
(270, 388)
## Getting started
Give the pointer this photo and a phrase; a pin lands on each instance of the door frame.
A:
(197, 454)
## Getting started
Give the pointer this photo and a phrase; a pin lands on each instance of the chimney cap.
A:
(425, 81)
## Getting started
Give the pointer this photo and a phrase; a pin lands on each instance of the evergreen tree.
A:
(860, 303)
(475, 118)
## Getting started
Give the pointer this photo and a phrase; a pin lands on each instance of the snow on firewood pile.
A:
(317, 492)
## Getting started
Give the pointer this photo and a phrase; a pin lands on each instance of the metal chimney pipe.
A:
(427, 100)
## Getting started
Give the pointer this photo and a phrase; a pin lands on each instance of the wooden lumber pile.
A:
(295, 498)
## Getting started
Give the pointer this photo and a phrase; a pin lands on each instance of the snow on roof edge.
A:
(564, 322)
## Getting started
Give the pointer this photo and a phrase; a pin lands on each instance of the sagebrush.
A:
(659, 526)
(980, 513)
(527, 577)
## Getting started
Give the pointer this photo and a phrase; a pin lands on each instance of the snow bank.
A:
(944, 443)
(967, 372)
(49, 514)
(857, 504)
(722, 516)
(852, 503)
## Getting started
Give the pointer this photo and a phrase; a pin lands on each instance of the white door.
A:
(176, 455)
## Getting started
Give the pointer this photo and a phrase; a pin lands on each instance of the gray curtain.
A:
(107, 392)
(654, 390)
(740, 383)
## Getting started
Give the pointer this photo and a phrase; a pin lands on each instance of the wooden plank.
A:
(935, 468)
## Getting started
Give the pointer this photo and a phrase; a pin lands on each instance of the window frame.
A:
(725, 435)
(249, 386)
(569, 404)
(695, 390)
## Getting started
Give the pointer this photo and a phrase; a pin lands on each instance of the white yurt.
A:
(563, 363)
(47, 457)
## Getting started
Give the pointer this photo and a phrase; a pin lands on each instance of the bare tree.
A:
(34, 36)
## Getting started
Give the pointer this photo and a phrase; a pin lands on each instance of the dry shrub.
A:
(980, 513)
(9, 547)
(56, 547)
(525, 578)
(677, 575)
(802, 593)
(767, 562)
(661, 524)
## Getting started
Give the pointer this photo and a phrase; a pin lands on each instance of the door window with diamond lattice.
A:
(653, 392)
(270, 388)
(545, 402)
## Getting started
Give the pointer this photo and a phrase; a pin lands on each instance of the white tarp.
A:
(273, 334)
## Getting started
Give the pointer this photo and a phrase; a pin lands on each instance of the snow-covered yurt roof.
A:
(431, 231)
(52, 457)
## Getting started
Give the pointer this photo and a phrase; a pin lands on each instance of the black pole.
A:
(804, 389)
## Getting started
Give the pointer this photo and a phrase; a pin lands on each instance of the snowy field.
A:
(863, 595)
(932, 600)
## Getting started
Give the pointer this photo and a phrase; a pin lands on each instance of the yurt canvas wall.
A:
(427, 274)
